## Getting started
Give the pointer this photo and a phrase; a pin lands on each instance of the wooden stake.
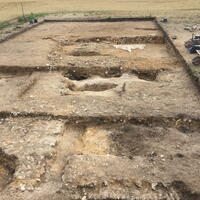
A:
(23, 11)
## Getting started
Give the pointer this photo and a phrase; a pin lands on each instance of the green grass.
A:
(29, 17)
(4, 25)
(22, 19)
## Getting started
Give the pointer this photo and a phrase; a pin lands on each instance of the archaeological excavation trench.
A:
(97, 111)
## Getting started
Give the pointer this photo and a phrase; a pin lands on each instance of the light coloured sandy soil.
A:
(53, 94)
(97, 161)
(97, 122)
(32, 48)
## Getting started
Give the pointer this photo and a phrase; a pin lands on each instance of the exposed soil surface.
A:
(7, 168)
(97, 111)
(184, 35)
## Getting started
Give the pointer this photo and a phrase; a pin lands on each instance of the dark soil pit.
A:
(124, 40)
(84, 73)
(130, 141)
(184, 191)
(7, 168)
(148, 75)
(84, 52)
(76, 74)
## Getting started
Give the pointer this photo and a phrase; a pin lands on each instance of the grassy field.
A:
(10, 9)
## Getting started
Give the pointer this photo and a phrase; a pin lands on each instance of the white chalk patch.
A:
(129, 48)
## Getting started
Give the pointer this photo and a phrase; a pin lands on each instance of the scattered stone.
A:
(179, 155)
(174, 37)
(188, 29)
(105, 183)
(30, 188)
(18, 27)
(164, 20)
(192, 28)
(22, 187)
(153, 186)
(84, 198)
